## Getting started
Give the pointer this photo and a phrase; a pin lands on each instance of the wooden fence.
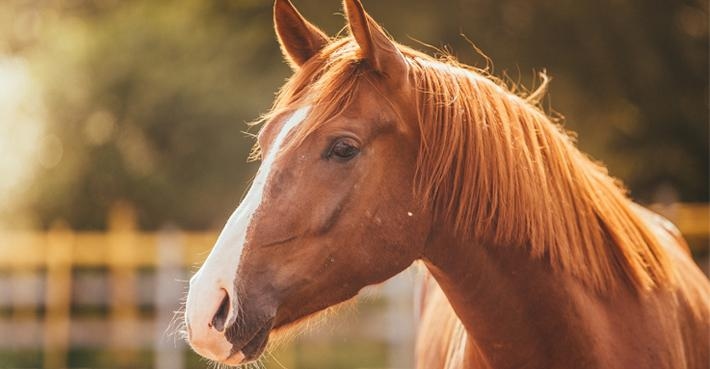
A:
(40, 287)
(136, 279)
(40, 276)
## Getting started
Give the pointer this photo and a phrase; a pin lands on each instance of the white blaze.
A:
(220, 268)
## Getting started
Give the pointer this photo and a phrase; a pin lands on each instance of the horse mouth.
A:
(253, 349)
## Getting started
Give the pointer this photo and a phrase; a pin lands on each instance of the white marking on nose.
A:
(220, 268)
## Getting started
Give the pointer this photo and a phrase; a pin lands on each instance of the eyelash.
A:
(343, 143)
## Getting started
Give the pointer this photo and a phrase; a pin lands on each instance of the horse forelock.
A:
(496, 168)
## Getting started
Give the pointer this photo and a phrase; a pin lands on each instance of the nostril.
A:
(220, 317)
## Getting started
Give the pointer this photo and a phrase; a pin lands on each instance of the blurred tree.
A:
(147, 100)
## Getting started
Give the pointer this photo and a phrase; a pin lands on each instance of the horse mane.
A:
(496, 168)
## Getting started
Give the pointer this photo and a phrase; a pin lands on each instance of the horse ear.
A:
(375, 46)
(299, 39)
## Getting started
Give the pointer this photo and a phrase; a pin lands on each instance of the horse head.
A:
(332, 208)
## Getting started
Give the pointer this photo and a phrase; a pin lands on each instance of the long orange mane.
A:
(497, 169)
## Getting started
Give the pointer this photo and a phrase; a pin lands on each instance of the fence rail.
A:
(40, 285)
(693, 219)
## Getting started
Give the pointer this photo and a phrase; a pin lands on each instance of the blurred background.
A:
(123, 150)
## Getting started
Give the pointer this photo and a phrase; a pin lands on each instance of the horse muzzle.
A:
(222, 328)
(207, 310)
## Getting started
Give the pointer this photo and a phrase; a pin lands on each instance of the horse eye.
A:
(344, 149)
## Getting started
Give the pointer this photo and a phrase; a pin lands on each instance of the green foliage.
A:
(149, 98)
(159, 118)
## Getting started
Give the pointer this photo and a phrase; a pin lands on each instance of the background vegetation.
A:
(145, 101)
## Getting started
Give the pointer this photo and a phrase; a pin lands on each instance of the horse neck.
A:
(516, 310)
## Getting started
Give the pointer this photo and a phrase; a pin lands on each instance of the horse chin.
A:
(252, 349)
(255, 348)
(234, 359)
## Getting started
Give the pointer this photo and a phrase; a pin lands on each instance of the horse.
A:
(375, 156)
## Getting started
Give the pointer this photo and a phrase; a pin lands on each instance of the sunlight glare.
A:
(22, 125)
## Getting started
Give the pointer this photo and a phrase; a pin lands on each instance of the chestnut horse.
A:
(375, 156)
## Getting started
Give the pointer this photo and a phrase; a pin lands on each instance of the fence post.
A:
(400, 320)
(60, 242)
(23, 290)
(169, 290)
(124, 311)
